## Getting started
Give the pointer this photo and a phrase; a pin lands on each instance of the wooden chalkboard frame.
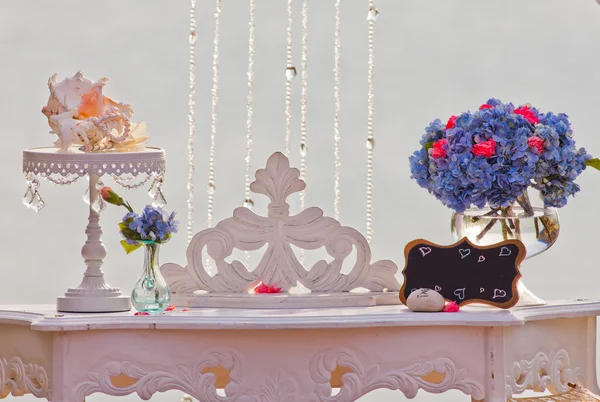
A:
(519, 259)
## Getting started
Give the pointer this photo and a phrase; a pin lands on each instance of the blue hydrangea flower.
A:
(152, 224)
(461, 179)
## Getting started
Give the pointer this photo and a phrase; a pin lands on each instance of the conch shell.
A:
(80, 114)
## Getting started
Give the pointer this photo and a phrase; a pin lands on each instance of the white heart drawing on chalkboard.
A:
(437, 288)
(505, 252)
(481, 290)
(460, 293)
(481, 259)
(499, 293)
(425, 250)
(464, 252)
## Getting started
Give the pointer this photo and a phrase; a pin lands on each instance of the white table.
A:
(289, 355)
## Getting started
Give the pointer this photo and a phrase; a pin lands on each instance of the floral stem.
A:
(525, 203)
(485, 230)
(126, 205)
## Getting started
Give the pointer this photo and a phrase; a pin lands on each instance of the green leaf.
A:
(595, 163)
(130, 247)
(428, 146)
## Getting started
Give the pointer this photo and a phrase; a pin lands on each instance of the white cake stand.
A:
(93, 294)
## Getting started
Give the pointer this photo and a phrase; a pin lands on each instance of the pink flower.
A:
(262, 288)
(485, 148)
(185, 310)
(171, 308)
(110, 196)
(527, 114)
(536, 143)
(485, 106)
(451, 307)
(141, 313)
(438, 150)
(451, 122)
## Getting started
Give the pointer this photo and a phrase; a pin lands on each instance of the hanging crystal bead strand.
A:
(372, 16)
(32, 198)
(213, 125)
(290, 74)
(248, 203)
(336, 116)
(191, 121)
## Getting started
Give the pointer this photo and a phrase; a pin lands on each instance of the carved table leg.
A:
(495, 389)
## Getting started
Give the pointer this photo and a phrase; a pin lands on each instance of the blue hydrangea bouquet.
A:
(150, 228)
(489, 159)
(152, 225)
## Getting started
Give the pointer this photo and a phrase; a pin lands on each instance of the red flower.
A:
(485, 106)
(185, 310)
(141, 313)
(485, 148)
(262, 288)
(527, 114)
(437, 150)
(451, 307)
(171, 308)
(536, 143)
(451, 122)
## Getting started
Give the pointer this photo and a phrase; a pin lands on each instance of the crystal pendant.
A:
(303, 150)
(155, 186)
(28, 197)
(248, 203)
(211, 188)
(98, 205)
(37, 203)
(371, 144)
(159, 199)
(290, 73)
(373, 14)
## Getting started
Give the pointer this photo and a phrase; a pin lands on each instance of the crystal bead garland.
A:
(290, 74)
(32, 198)
(191, 121)
(336, 116)
(248, 203)
(213, 125)
(372, 16)
(303, 103)
(303, 100)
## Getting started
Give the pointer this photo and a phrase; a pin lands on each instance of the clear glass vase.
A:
(151, 293)
(536, 226)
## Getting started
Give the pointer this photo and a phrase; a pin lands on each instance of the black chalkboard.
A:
(463, 272)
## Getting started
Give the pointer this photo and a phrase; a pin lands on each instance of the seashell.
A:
(426, 300)
(80, 114)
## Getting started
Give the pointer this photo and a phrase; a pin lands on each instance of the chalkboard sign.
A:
(463, 272)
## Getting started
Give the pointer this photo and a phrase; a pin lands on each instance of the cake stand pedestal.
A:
(93, 294)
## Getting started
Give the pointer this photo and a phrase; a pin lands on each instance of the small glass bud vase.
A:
(151, 293)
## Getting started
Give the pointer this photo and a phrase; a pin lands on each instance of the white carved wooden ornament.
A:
(21, 378)
(308, 230)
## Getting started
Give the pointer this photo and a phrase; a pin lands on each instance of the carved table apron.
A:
(297, 355)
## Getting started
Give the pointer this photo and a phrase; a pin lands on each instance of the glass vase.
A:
(536, 226)
(151, 293)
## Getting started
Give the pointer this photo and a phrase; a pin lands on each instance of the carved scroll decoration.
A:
(21, 378)
(308, 230)
(543, 371)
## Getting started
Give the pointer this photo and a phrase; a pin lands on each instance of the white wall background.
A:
(434, 59)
